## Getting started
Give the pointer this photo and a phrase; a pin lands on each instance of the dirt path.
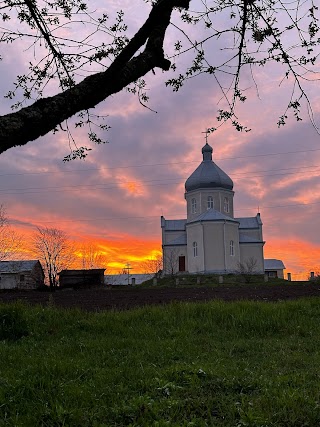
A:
(126, 298)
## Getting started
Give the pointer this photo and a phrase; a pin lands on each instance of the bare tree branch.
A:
(46, 114)
(55, 252)
(10, 241)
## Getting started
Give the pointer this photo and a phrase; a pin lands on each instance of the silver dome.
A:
(208, 174)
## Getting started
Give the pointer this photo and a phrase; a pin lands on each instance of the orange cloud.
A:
(131, 185)
(129, 250)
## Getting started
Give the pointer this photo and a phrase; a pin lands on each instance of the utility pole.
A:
(128, 268)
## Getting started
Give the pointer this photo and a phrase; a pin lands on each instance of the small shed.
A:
(81, 278)
(273, 268)
(21, 274)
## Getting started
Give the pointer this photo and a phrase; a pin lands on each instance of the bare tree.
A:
(153, 266)
(10, 241)
(55, 252)
(91, 257)
(234, 37)
(171, 262)
(247, 269)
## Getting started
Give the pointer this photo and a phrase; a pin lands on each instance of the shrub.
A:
(13, 324)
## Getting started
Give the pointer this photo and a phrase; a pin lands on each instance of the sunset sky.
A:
(116, 196)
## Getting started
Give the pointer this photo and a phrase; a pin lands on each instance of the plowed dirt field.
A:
(124, 298)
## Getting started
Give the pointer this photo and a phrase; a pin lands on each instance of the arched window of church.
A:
(193, 206)
(210, 202)
(226, 204)
(231, 248)
(195, 249)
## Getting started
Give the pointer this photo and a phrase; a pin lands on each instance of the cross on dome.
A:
(207, 132)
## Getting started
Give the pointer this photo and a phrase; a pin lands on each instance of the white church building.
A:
(211, 239)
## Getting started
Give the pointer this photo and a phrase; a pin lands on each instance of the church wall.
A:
(218, 200)
(255, 251)
(195, 234)
(171, 258)
(201, 198)
(232, 255)
(214, 244)
(229, 195)
(197, 196)
(217, 237)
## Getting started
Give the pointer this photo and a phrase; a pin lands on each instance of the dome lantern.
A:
(207, 152)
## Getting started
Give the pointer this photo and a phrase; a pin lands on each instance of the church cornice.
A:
(209, 189)
(222, 221)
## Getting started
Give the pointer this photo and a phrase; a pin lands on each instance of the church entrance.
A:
(182, 263)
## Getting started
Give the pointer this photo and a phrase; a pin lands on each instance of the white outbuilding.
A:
(273, 268)
(211, 239)
(21, 274)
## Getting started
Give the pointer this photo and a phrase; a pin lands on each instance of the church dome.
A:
(208, 174)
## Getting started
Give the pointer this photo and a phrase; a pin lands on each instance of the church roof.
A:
(208, 174)
(180, 240)
(243, 238)
(212, 215)
(249, 222)
(174, 224)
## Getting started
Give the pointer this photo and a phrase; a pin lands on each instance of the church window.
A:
(226, 204)
(231, 248)
(193, 206)
(195, 249)
(210, 202)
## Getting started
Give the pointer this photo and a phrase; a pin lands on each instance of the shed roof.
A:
(87, 272)
(273, 264)
(17, 266)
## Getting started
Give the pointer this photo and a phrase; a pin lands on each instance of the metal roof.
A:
(249, 222)
(212, 215)
(243, 238)
(17, 266)
(84, 271)
(175, 224)
(208, 174)
(273, 264)
(179, 241)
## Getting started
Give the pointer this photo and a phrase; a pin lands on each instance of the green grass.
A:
(214, 364)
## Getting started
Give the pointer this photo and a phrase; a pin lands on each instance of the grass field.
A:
(213, 364)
